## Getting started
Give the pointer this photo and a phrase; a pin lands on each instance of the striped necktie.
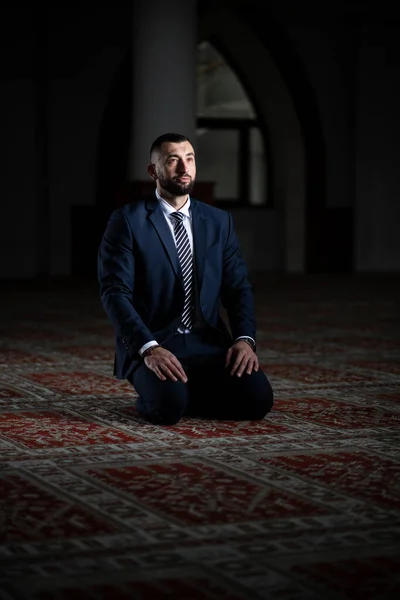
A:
(186, 262)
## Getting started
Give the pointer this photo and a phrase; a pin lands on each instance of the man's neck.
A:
(177, 202)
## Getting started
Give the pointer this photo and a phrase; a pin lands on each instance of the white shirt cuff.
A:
(246, 337)
(148, 345)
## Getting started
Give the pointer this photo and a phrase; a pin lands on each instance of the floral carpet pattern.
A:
(97, 504)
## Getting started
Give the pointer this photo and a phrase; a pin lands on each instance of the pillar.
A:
(164, 76)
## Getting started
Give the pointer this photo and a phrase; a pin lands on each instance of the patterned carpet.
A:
(96, 504)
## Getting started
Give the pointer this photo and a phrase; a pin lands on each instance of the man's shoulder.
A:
(136, 207)
(209, 210)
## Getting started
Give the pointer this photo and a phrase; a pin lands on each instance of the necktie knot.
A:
(177, 216)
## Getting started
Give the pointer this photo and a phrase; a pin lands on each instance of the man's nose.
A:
(182, 166)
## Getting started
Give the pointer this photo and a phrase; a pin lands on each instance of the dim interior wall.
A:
(18, 257)
(325, 49)
(259, 235)
(17, 144)
(85, 48)
(75, 115)
(378, 149)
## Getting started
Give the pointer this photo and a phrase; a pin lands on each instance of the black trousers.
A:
(210, 392)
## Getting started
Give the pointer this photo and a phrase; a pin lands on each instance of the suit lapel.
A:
(156, 217)
(199, 225)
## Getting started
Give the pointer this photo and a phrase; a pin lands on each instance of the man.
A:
(165, 265)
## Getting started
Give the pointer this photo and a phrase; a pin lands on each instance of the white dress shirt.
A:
(167, 210)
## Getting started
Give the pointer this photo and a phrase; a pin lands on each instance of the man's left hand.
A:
(242, 359)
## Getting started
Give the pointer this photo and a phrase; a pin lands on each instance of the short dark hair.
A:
(175, 138)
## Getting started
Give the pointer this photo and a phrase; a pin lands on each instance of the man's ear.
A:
(151, 169)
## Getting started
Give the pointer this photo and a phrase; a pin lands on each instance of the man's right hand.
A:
(165, 365)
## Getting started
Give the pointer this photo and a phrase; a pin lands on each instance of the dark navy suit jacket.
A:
(141, 285)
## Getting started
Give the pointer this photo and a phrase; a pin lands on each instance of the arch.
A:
(224, 104)
(274, 105)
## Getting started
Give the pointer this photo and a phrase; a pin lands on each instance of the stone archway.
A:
(275, 107)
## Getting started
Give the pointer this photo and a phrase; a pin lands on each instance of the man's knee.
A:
(161, 415)
(261, 398)
(172, 410)
(263, 406)
(166, 406)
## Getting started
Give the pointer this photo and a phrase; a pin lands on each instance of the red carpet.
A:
(97, 504)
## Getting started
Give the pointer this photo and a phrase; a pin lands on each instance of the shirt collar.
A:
(168, 209)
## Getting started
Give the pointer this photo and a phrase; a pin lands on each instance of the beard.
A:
(174, 187)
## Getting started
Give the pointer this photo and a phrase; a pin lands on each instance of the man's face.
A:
(175, 168)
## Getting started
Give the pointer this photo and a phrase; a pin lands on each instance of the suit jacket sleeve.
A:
(236, 290)
(116, 274)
